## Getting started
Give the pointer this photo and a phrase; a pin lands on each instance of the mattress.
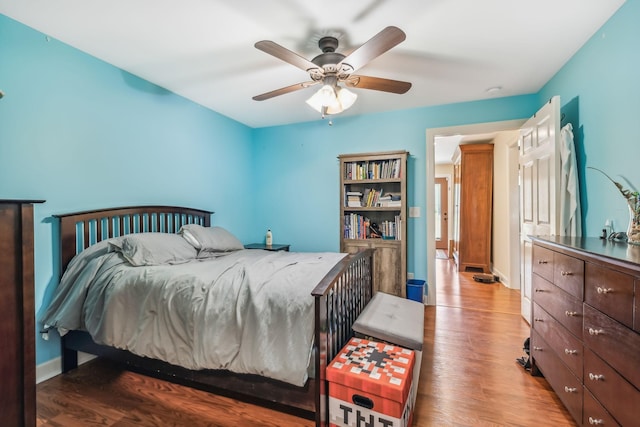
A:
(247, 311)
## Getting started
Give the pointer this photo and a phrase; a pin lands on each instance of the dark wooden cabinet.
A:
(17, 317)
(584, 335)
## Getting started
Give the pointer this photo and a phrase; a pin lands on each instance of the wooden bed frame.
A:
(339, 298)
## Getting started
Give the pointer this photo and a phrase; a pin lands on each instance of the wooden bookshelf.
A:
(373, 190)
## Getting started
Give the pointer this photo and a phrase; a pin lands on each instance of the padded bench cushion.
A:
(393, 319)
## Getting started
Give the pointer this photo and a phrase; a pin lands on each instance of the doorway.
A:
(432, 135)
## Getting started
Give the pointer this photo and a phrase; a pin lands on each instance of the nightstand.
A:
(274, 248)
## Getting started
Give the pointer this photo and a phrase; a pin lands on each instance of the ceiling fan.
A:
(331, 68)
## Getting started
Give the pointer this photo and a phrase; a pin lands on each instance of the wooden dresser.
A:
(585, 329)
(473, 207)
(17, 318)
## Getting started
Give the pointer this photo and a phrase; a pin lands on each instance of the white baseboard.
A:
(53, 367)
(47, 370)
(503, 278)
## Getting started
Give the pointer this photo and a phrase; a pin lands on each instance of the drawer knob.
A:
(541, 261)
(567, 351)
(595, 331)
(537, 319)
(568, 389)
(602, 290)
(566, 273)
(596, 377)
(571, 313)
(595, 421)
(537, 348)
(539, 290)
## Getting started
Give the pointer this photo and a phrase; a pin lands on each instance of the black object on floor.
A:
(524, 361)
(485, 278)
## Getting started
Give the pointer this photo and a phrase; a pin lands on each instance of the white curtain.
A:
(570, 216)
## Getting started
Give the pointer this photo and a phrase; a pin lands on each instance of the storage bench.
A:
(371, 383)
(397, 321)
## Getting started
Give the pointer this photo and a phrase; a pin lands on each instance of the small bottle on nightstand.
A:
(269, 238)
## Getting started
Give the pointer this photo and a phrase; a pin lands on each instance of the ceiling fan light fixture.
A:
(330, 100)
(324, 97)
(346, 97)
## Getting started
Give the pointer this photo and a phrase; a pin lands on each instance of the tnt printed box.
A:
(370, 385)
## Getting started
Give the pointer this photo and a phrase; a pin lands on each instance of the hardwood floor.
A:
(469, 374)
(469, 377)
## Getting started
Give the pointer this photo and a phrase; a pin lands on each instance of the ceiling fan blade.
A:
(376, 46)
(285, 54)
(376, 83)
(284, 90)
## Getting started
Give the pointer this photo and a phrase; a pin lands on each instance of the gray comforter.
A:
(248, 311)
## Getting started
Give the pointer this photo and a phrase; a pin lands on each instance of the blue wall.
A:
(299, 176)
(600, 90)
(83, 135)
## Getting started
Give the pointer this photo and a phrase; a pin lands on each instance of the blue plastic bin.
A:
(415, 289)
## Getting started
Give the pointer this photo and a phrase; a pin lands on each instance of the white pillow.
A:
(154, 249)
(210, 239)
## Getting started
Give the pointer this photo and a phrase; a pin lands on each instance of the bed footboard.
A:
(339, 299)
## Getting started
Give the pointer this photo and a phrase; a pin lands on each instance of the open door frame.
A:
(479, 128)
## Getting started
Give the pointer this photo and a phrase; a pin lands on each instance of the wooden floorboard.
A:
(469, 377)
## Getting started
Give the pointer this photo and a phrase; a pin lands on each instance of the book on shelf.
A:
(353, 199)
(365, 196)
(380, 169)
(390, 200)
(370, 197)
(355, 226)
(358, 227)
(392, 230)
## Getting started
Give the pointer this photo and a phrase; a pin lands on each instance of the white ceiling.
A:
(203, 50)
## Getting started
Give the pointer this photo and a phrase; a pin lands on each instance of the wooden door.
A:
(539, 167)
(442, 213)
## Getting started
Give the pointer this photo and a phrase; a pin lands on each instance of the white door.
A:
(442, 213)
(539, 192)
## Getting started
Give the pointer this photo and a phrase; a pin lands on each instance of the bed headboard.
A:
(80, 230)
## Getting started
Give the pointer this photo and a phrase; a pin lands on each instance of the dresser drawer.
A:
(564, 307)
(618, 397)
(593, 414)
(615, 343)
(568, 274)
(542, 262)
(568, 388)
(610, 292)
(566, 346)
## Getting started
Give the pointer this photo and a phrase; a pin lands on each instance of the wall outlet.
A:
(414, 212)
(409, 276)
